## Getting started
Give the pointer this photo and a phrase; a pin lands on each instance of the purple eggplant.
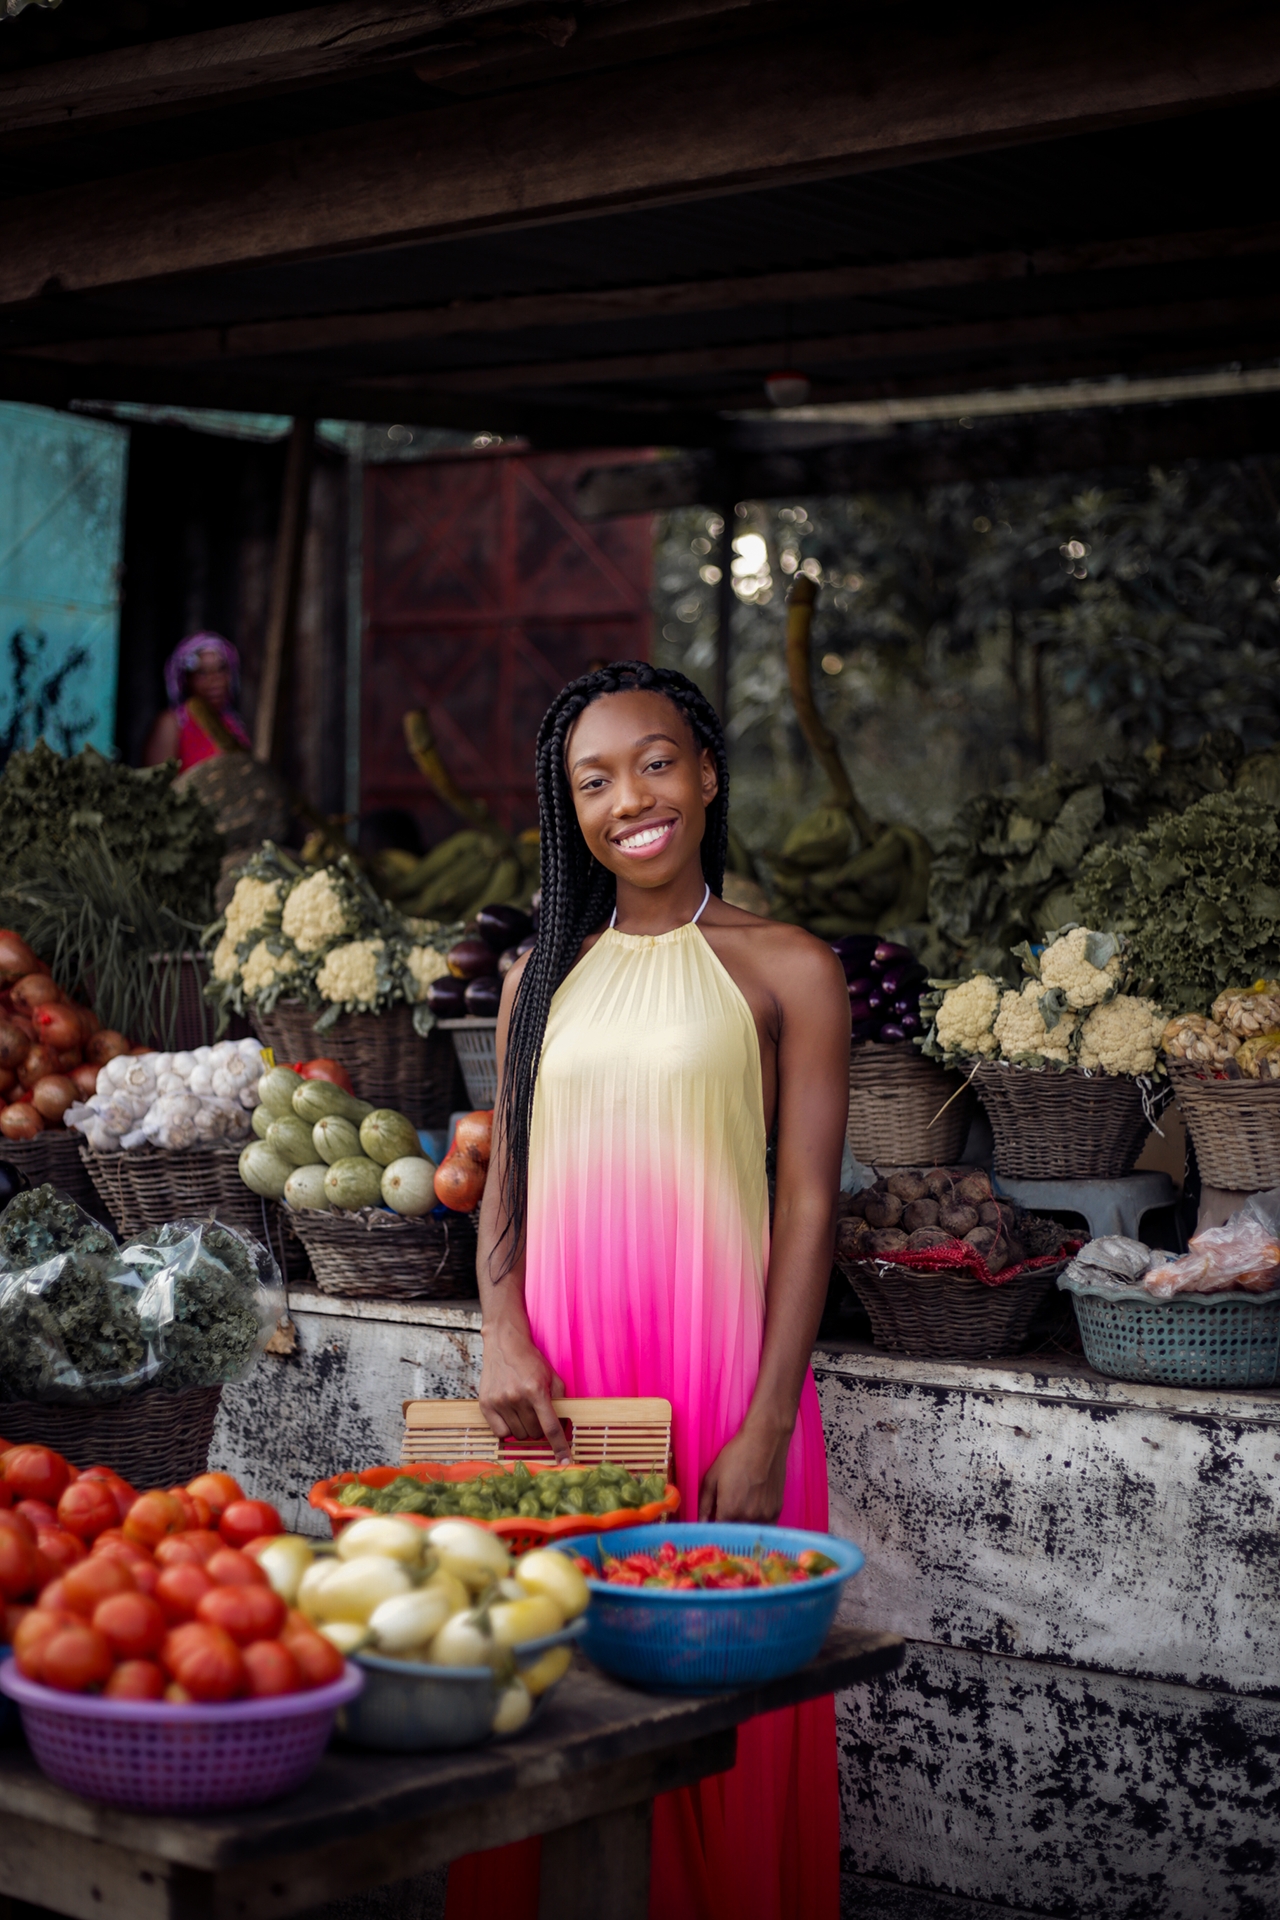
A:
(878, 1001)
(865, 983)
(855, 950)
(502, 926)
(889, 950)
(906, 1003)
(892, 1031)
(891, 980)
(446, 997)
(862, 1030)
(859, 1012)
(910, 1023)
(483, 996)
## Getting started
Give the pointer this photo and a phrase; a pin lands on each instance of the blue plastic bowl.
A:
(695, 1642)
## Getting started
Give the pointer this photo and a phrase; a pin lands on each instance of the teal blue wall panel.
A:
(61, 522)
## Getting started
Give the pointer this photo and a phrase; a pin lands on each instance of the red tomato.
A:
(34, 1633)
(271, 1669)
(228, 1568)
(331, 1070)
(198, 1511)
(151, 1517)
(218, 1489)
(246, 1613)
(76, 1658)
(176, 1696)
(14, 1615)
(246, 1520)
(36, 1473)
(38, 1512)
(19, 1567)
(133, 1623)
(319, 1661)
(52, 1599)
(176, 1551)
(95, 1580)
(122, 1492)
(135, 1680)
(87, 1508)
(60, 1547)
(205, 1541)
(204, 1660)
(6, 1494)
(180, 1590)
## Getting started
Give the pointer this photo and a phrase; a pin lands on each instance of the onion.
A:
(105, 1045)
(13, 1043)
(16, 958)
(36, 1063)
(52, 1095)
(460, 1182)
(7, 1079)
(89, 1022)
(85, 1080)
(59, 1026)
(69, 1058)
(474, 1134)
(21, 1121)
(35, 990)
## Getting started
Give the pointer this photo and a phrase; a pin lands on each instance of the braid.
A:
(577, 894)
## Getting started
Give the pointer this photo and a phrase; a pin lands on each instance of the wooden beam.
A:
(341, 332)
(286, 585)
(893, 345)
(888, 89)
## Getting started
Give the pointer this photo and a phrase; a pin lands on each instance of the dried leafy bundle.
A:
(212, 1298)
(69, 1323)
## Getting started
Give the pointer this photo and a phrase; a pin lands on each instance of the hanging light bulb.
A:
(787, 388)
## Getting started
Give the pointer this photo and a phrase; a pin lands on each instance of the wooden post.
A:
(724, 613)
(286, 580)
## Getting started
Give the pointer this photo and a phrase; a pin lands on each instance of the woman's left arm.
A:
(747, 1478)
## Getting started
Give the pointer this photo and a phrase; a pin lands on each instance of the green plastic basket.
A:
(1193, 1340)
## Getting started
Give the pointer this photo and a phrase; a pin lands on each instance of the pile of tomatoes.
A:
(146, 1596)
(51, 1049)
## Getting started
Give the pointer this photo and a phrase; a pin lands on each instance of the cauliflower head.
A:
(251, 906)
(965, 1016)
(1020, 1026)
(1065, 964)
(423, 965)
(262, 968)
(350, 972)
(1123, 1035)
(315, 913)
(225, 962)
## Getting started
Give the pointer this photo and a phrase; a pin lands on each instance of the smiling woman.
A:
(647, 1046)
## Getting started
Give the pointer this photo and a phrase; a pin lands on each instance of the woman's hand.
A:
(747, 1478)
(517, 1387)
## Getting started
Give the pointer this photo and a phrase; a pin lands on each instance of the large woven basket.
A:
(155, 1439)
(55, 1157)
(475, 1044)
(948, 1316)
(388, 1062)
(1235, 1128)
(904, 1110)
(1062, 1125)
(380, 1256)
(147, 1186)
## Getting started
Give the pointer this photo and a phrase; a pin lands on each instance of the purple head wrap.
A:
(185, 658)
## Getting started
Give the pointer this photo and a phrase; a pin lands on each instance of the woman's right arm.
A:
(162, 741)
(517, 1386)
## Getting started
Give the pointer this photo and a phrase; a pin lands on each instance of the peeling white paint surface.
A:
(996, 1513)
(1073, 1794)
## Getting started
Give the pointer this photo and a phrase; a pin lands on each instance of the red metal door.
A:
(483, 594)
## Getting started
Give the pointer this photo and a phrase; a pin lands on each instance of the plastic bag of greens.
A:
(70, 1327)
(212, 1299)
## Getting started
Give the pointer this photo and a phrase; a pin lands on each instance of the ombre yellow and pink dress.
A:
(647, 1251)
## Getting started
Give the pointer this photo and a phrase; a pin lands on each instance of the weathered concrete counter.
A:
(1088, 1574)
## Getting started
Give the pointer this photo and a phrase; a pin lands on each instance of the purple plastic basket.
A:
(149, 1755)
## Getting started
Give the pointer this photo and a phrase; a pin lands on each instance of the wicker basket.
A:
(948, 1316)
(1062, 1125)
(904, 1110)
(388, 1062)
(55, 1157)
(1193, 1340)
(147, 1186)
(380, 1256)
(155, 1439)
(1234, 1127)
(475, 1042)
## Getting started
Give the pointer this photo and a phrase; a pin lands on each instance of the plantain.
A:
(505, 882)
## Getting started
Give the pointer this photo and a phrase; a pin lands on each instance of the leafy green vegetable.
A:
(206, 1308)
(69, 1324)
(500, 1494)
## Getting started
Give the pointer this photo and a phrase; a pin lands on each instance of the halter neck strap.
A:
(613, 917)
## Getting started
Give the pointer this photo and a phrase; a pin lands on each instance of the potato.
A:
(958, 1220)
(983, 1238)
(921, 1213)
(928, 1237)
(939, 1183)
(886, 1240)
(973, 1189)
(883, 1210)
(906, 1186)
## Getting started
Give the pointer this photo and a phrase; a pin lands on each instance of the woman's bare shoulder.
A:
(786, 958)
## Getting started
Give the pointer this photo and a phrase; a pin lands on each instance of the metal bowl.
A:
(407, 1707)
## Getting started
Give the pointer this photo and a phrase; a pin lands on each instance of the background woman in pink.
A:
(207, 667)
(649, 1044)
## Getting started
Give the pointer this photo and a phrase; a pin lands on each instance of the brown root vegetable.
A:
(883, 1210)
(854, 1205)
(885, 1240)
(85, 1081)
(973, 1189)
(1016, 1251)
(989, 1214)
(958, 1220)
(20, 1121)
(928, 1237)
(36, 1062)
(939, 1183)
(921, 1213)
(51, 1096)
(997, 1257)
(983, 1238)
(906, 1186)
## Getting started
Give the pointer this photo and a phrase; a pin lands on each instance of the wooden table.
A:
(584, 1776)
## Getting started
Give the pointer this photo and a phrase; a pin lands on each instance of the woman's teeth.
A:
(646, 838)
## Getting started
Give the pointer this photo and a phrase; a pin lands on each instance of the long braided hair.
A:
(578, 893)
